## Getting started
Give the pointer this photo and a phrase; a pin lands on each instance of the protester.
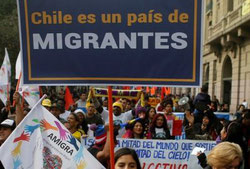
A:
(19, 110)
(6, 128)
(124, 103)
(201, 102)
(245, 103)
(151, 112)
(176, 107)
(159, 128)
(239, 111)
(224, 155)
(55, 110)
(213, 106)
(63, 113)
(105, 103)
(101, 148)
(47, 104)
(245, 121)
(135, 130)
(118, 116)
(91, 116)
(74, 126)
(225, 108)
(217, 102)
(81, 103)
(168, 110)
(200, 131)
(4, 114)
(231, 132)
(126, 158)
(142, 114)
(82, 119)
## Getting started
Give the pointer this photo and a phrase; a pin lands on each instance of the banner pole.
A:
(111, 128)
(8, 97)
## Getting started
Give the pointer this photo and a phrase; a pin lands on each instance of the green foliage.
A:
(9, 36)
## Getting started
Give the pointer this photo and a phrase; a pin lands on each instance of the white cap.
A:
(8, 123)
(79, 111)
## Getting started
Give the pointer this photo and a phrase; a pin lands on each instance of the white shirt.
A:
(122, 118)
(245, 104)
(81, 103)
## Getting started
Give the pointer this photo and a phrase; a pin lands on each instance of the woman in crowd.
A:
(126, 158)
(81, 115)
(135, 130)
(142, 114)
(159, 128)
(151, 112)
(200, 131)
(74, 126)
(225, 155)
(239, 112)
(231, 132)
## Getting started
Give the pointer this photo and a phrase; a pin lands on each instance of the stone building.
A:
(226, 51)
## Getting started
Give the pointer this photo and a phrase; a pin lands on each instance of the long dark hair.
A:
(165, 125)
(77, 119)
(127, 151)
(148, 110)
(133, 125)
(153, 124)
(234, 133)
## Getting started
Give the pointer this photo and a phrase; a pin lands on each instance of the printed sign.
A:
(163, 154)
(111, 42)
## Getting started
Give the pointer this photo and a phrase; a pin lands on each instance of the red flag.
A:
(68, 98)
(153, 91)
(177, 128)
(167, 90)
(163, 89)
(147, 90)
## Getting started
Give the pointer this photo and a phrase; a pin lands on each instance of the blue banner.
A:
(111, 42)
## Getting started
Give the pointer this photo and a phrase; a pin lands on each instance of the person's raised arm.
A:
(19, 111)
(104, 154)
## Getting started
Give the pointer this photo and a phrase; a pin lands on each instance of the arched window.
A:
(227, 80)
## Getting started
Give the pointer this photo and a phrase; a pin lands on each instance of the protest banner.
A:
(163, 154)
(111, 43)
(129, 94)
(154, 101)
(41, 141)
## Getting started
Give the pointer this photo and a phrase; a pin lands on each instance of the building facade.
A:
(226, 51)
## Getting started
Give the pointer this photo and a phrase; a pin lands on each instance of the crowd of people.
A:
(137, 119)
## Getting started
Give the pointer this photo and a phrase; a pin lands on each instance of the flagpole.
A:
(8, 97)
(111, 127)
(22, 104)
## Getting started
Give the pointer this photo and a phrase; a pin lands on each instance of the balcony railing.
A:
(225, 24)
